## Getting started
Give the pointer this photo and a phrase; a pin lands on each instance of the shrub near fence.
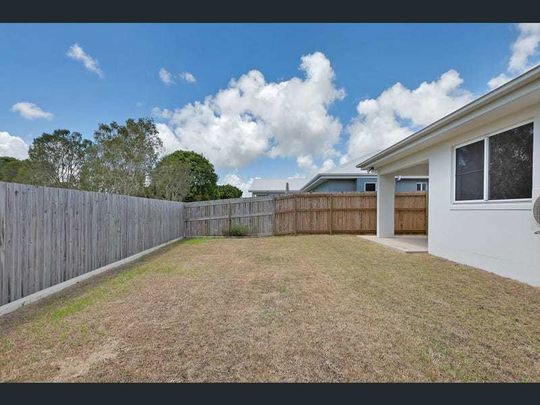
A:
(50, 235)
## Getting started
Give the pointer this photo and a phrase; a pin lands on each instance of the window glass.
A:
(510, 164)
(470, 172)
(421, 186)
(370, 187)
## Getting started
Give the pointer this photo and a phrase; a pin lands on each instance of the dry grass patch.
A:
(306, 308)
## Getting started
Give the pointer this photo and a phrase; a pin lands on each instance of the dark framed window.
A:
(498, 167)
(470, 172)
(510, 164)
(369, 187)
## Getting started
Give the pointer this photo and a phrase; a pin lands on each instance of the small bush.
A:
(238, 230)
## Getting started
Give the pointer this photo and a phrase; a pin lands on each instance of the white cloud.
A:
(525, 46)
(30, 111)
(523, 49)
(498, 81)
(12, 146)
(169, 139)
(252, 117)
(308, 165)
(188, 77)
(166, 77)
(234, 180)
(76, 52)
(398, 111)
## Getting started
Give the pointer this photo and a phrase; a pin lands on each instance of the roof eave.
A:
(318, 179)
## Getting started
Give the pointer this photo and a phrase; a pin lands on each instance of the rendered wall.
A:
(336, 186)
(495, 236)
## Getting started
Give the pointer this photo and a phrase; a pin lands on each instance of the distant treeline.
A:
(122, 159)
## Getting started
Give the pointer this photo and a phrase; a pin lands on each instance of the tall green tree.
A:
(57, 158)
(225, 191)
(122, 157)
(203, 178)
(170, 181)
(15, 170)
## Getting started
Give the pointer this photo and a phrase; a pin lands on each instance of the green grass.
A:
(196, 241)
(118, 284)
(306, 308)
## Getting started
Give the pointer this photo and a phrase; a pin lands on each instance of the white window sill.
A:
(520, 205)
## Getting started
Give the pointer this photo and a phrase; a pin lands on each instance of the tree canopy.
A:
(203, 178)
(225, 191)
(170, 180)
(122, 157)
(58, 158)
(15, 170)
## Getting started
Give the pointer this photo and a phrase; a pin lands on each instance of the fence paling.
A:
(325, 213)
(50, 235)
(215, 218)
(411, 213)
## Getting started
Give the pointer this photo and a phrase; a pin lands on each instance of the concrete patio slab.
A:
(404, 243)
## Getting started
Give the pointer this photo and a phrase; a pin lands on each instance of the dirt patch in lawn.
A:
(306, 308)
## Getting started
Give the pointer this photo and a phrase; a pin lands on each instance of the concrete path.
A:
(404, 243)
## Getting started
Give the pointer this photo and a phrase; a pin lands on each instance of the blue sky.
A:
(356, 62)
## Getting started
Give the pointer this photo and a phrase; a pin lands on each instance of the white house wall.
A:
(494, 236)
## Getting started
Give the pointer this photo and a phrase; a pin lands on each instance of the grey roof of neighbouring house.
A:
(345, 171)
(276, 185)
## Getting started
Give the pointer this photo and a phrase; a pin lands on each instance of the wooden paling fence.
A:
(50, 235)
(326, 213)
(411, 213)
(218, 217)
(306, 213)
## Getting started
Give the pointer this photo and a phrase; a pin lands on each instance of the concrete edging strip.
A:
(12, 306)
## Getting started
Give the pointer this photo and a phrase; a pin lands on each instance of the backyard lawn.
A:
(298, 308)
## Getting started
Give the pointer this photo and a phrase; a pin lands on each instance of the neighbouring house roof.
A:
(346, 171)
(524, 89)
(276, 185)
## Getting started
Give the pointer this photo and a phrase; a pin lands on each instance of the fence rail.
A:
(50, 235)
(218, 217)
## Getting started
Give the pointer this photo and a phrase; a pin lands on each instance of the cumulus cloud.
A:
(253, 117)
(166, 77)
(188, 77)
(398, 111)
(309, 167)
(30, 111)
(498, 81)
(234, 180)
(523, 49)
(13, 146)
(76, 52)
(169, 139)
(169, 78)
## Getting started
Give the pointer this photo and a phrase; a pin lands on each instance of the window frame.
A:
(485, 138)
(370, 182)
(423, 185)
